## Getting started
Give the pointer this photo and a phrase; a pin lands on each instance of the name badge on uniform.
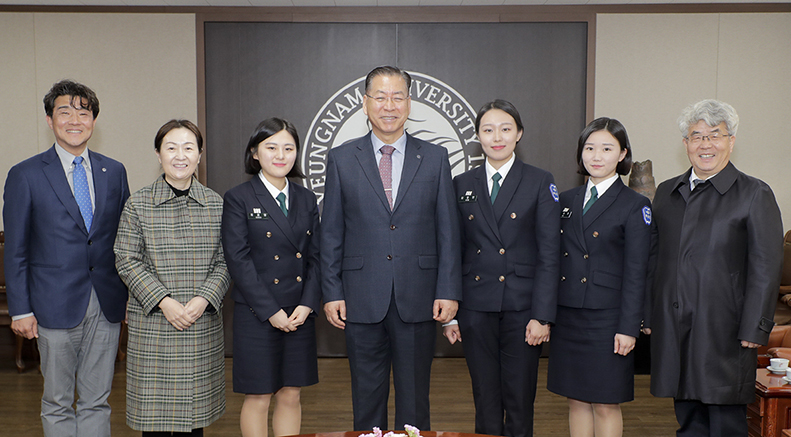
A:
(566, 213)
(257, 214)
(468, 197)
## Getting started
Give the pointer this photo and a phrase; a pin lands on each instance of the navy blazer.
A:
(51, 260)
(510, 249)
(604, 260)
(369, 251)
(273, 259)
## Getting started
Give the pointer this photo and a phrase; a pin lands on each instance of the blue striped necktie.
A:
(81, 192)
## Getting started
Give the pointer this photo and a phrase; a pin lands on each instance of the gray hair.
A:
(713, 112)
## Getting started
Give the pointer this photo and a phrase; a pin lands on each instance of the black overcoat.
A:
(715, 277)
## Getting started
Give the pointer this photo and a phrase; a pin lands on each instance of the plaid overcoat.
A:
(170, 246)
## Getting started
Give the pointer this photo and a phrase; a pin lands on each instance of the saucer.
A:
(776, 371)
(787, 379)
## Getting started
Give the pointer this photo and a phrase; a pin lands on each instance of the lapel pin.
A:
(104, 170)
(418, 156)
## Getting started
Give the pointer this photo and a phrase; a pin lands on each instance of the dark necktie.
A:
(591, 201)
(386, 172)
(495, 186)
(281, 199)
(81, 192)
(696, 182)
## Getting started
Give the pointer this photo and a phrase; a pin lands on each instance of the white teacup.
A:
(788, 373)
(779, 363)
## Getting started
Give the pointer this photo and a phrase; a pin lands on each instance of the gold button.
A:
(389, 257)
(276, 281)
(392, 227)
(477, 278)
(471, 217)
(585, 256)
(584, 280)
(268, 235)
(502, 251)
(299, 278)
(561, 231)
(513, 215)
(565, 254)
(309, 233)
(277, 257)
(562, 278)
(299, 255)
(595, 234)
(502, 278)
(479, 251)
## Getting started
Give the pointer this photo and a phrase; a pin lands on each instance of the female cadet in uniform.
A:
(270, 235)
(605, 238)
(168, 253)
(510, 244)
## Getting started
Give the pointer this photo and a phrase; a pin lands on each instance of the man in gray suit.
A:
(390, 255)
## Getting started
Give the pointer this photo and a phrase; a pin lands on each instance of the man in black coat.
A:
(714, 281)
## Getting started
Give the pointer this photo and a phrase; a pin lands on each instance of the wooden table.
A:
(770, 414)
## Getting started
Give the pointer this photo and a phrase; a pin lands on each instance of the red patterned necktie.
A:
(386, 172)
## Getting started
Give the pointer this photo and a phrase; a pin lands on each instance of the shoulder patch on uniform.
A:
(647, 215)
(554, 191)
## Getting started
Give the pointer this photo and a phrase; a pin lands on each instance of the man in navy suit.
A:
(61, 213)
(390, 255)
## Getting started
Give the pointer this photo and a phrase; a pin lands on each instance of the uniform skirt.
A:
(582, 364)
(266, 359)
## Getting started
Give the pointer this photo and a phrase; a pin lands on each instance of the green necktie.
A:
(281, 199)
(591, 201)
(495, 186)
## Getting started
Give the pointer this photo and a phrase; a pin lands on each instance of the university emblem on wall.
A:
(439, 115)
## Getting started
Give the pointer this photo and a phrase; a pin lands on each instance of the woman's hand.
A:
(195, 307)
(452, 333)
(536, 333)
(281, 321)
(175, 313)
(300, 314)
(624, 344)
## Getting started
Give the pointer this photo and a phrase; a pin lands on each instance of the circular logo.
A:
(439, 115)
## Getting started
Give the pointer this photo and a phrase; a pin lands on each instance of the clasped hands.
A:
(183, 316)
(286, 323)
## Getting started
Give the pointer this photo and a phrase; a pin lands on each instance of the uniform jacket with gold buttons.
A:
(273, 259)
(604, 254)
(510, 249)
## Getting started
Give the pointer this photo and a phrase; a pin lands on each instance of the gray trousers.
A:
(82, 357)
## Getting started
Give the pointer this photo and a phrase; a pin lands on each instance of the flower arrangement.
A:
(411, 431)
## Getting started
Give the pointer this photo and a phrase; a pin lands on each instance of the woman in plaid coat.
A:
(168, 252)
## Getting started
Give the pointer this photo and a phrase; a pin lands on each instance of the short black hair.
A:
(264, 130)
(616, 129)
(176, 124)
(87, 98)
(502, 105)
(387, 70)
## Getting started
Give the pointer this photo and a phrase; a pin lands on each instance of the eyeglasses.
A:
(714, 137)
(381, 100)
